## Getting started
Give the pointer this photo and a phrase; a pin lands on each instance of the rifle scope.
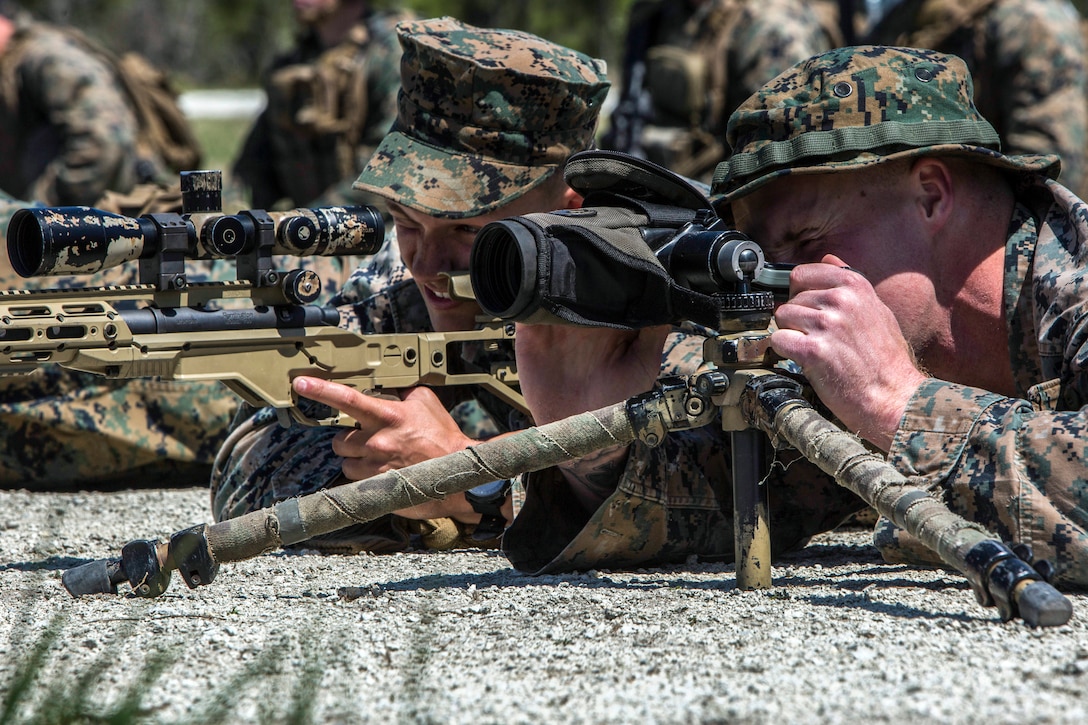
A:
(46, 241)
(593, 267)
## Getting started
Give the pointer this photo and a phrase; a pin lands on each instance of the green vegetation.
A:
(220, 138)
(43, 690)
(210, 43)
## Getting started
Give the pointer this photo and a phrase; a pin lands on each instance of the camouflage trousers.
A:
(672, 502)
(66, 430)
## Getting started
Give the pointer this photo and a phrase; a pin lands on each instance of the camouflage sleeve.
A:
(80, 98)
(770, 37)
(1018, 466)
(1021, 473)
(1039, 60)
(263, 462)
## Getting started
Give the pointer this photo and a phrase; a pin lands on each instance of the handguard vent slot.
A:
(15, 334)
(84, 308)
(66, 332)
(31, 356)
(30, 311)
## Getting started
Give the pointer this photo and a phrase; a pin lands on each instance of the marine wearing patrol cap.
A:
(483, 116)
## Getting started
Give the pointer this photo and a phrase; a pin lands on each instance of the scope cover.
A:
(620, 174)
(588, 267)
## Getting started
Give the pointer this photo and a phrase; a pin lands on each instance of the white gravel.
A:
(461, 638)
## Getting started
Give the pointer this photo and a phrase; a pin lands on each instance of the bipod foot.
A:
(97, 577)
(146, 566)
(1018, 586)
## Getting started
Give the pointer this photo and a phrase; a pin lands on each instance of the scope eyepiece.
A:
(503, 264)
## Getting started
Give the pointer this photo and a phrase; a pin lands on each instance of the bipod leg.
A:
(647, 417)
(197, 552)
(998, 575)
(751, 531)
(146, 565)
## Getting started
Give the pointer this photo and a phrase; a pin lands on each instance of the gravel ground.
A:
(459, 637)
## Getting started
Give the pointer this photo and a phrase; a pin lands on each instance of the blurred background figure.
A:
(78, 128)
(330, 101)
(77, 121)
(1027, 59)
(688, 63)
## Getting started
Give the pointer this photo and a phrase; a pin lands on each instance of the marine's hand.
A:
(850, 347)
(392, 433)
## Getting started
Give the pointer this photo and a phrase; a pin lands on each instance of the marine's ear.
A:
(933, 185)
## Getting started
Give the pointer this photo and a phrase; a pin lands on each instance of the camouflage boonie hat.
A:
(855, 107)
(483, 116)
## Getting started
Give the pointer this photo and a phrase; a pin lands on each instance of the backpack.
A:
(163, 131)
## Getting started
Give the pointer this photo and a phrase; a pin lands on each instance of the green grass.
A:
(221, 139)
(44, 690)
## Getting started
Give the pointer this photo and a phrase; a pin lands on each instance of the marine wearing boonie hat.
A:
(855, 107)
(483, 116)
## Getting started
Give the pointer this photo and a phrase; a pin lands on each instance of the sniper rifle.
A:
(254, 333)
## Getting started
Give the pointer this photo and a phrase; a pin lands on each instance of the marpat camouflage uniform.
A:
(67, 429)
(67, 130)
(263, 463)
(671, 502)
(327, 111)
(1029, 65)
(483, 117)
(688, 65)
(1015, 465)
(1018, 466)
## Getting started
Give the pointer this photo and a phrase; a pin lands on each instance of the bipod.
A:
(767, 400)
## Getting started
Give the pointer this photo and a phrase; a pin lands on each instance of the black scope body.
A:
(46, 241)
(599, 267)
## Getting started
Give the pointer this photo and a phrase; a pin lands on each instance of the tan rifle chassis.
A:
(255, 349)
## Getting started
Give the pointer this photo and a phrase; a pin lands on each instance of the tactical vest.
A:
(326, 97)
(687, 77)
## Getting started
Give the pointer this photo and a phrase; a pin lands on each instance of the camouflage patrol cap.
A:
(483, 116)
(854, 107)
